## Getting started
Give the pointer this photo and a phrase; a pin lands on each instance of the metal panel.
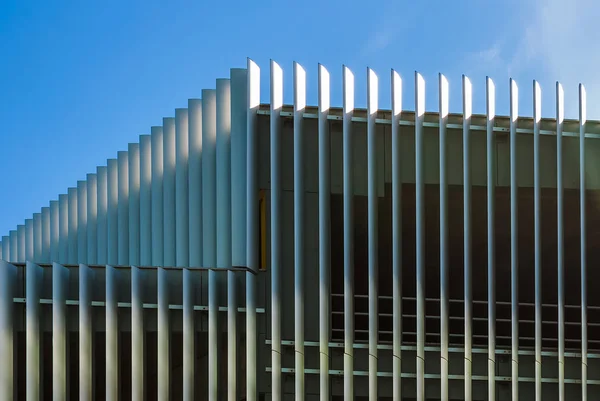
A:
(8, 275)
(82, 215)
(157, 196)
(276, 228)
(85, 332)
(92, 219)
(32, 292)
(112, 335)
(181, 188)
(373, 240)
(169, 167)
(112, 211)
(72, 230)
(420, 232)
(209, 231)
(134, 203)
(582, 224)
(514, 240)
(60, 276)
(252, 228)
(145, 200)
(102, 217)
(299, 227)
(444, 266)
(123, 209)
(491, 235)
(137, 334)
(348, 201)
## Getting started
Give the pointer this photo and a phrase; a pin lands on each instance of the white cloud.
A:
(561, 41)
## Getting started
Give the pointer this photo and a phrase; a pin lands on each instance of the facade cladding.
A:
(248, 252)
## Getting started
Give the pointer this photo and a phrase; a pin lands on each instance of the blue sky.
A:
(79, 80)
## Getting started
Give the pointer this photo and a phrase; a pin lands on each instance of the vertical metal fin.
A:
(195, 237)
(491, 235)
(112, 211)
(60, 276)
(560, 205)
(396, 236)
(182, 206)
(14, 253)
(324, 230)
(82, 215)
(444, 267)
(253, 99)
(420, 231)
(6, 248)
(85, 333)
(537, 115)
(276, 227)
(157, 196)
(373, 241)
(348, 162)
(45, 235)
(92, 219)
(137, 334)
(72, 227)
(209, 232)
(467, 111)
(102, 218)
(33, 277)
(582, 184)
(37, 238)
(224, 248)
(169, 172)
(514, 238)
(134, 203)
(299, 226)
(163, 336)
(29, 240)
(112, 335)
(63, 226)
(145, 200)
(8, 276)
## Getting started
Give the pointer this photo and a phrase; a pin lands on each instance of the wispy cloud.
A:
(387, 27)
(559, 40)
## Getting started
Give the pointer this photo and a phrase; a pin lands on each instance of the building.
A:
(331, 242)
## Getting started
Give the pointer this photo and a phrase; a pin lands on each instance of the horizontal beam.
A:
(430, 124)
(457, 350)
(201, 308)
(241, 269)
(333, 372)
